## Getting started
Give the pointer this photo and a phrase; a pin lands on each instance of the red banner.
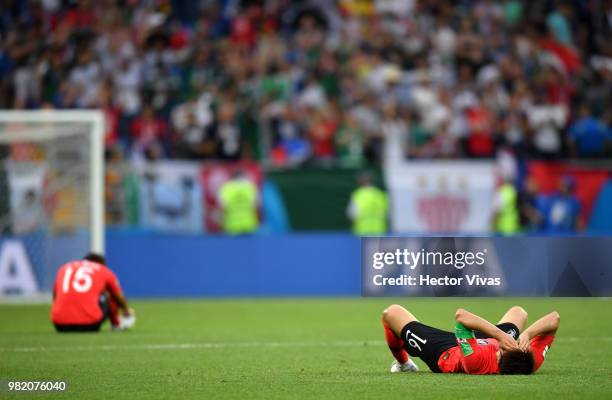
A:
(588, 181)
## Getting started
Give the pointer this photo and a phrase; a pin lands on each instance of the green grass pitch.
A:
(291, 348)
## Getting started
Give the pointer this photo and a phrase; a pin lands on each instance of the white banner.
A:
(171, 198)
(26, 183)
(441, 196)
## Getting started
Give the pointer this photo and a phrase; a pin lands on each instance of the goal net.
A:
(51, 194)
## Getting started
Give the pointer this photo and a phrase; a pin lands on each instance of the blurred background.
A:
(266, 129)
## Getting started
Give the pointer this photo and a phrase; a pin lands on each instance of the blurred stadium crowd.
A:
(317, 82)
(289, 86)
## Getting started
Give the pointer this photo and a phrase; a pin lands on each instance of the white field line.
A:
(226, 345)
(202, 345)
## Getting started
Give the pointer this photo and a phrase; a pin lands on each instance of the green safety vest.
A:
(507, 222)
(239, 202)
(370, 206)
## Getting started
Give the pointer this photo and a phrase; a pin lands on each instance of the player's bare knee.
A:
(387, 311)
(391, 311)
(385, 314)
(556, 317)
(519, 311)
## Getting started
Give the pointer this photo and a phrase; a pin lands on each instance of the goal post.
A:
(51, 193)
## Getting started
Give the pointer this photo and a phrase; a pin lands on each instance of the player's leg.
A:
(394, 319)
(110, 309)
(516, 315)
(513, 322)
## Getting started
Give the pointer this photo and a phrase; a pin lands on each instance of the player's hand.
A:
(127, 319)
(507, 342)
(524, 342)
(128, 312)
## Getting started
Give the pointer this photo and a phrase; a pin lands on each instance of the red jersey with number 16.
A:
(77, 291)
(483, 356)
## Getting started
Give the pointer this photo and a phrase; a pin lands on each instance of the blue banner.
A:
(170, 265)
(478, 266)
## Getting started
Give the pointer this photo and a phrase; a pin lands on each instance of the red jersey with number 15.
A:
(77, 289)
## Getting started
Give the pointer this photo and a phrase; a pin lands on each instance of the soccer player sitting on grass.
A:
(85, 293)
(476, 347)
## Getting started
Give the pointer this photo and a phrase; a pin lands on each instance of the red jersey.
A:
(77, 291)
(483, 359)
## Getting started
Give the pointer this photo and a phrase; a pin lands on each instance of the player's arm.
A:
(114, 289)
(475, 323)
(121, 303)
(545, 326)
(474, 358)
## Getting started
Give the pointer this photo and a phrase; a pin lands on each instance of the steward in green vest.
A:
(238, 197)
(368, 208)
(507, 220)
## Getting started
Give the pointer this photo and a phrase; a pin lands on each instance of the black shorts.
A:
(428, 343)
(95, 327)
(79, 328)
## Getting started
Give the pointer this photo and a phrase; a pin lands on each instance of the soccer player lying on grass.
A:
(476, 347)
(85, 293)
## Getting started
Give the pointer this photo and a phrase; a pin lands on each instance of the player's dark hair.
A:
(95, 257)
(516, 362)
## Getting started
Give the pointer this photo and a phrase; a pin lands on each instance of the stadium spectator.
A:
(563, 212)
(285, 135)
(442, 145)
(350, 143)
(506, 209)
(532, 206)
(480, 141)
(112, 115)
(513, 129)
(545, 121)
(86, 293)
(191, 123)
(148, 133)
(239, 200)
(321, 128)
(418, 137)
(588, 135)
(394, 132)
(127, 80)
(558, 22)
(84, 80)
(368, 207)
(227, 132)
